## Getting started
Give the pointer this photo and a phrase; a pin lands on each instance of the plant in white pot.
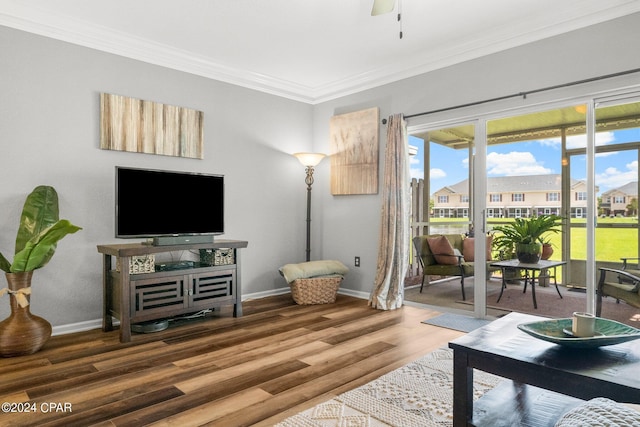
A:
(524, 236)
(39, 231)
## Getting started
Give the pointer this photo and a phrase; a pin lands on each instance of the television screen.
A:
(152, 203)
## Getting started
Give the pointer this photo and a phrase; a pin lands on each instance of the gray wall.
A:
(351, 223)
(50, 135)
(49, 122)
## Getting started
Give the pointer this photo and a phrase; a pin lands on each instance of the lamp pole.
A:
(309, 160)
(309, 181)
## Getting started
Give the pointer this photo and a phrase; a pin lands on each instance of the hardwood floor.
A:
(275, 361)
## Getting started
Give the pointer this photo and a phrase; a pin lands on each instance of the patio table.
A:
(541, 268)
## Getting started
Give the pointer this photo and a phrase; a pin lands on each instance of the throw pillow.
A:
(468, 250)
(599, 411)
(442, 250)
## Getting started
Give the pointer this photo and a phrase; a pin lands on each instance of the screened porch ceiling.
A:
(541, 125)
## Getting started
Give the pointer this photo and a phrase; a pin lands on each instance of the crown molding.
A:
(104, 39)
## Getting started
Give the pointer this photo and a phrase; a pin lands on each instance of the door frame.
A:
(479, 118)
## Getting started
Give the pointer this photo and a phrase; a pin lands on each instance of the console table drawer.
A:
(212, 288)
(158, 296)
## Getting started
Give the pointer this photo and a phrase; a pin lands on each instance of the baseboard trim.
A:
(76, 327)
(264, 294)
(355, 294)
(97, 323)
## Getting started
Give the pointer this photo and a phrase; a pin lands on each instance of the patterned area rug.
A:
(419, 394)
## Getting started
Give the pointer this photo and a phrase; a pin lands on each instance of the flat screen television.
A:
(169, 206)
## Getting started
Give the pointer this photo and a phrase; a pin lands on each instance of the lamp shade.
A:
(309, 159)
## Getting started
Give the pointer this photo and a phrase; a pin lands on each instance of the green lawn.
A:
(611, 243)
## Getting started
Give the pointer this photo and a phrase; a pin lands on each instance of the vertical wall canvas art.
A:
(129, 124)
(354, 152)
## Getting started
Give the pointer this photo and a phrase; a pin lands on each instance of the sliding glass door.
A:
(443, 203)
(578, 161)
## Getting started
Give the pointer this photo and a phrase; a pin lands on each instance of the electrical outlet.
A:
(357, 262)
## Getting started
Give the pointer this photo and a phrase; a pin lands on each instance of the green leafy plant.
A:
(39, 231)
(524, 231)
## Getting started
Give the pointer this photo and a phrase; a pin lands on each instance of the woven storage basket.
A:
(140, 264)
(316, 290)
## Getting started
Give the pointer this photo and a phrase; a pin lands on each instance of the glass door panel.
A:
(442, 193)
(615, 217)
(617, 148)
(617, 232)
(525, 171)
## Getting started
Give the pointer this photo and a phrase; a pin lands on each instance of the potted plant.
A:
(524, 236)
(39, 231)
(547, 248)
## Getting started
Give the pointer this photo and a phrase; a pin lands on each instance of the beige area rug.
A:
(419, 394)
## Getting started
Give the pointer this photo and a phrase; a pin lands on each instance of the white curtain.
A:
(393, 250)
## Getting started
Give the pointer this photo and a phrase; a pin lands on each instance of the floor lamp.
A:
(309, 160)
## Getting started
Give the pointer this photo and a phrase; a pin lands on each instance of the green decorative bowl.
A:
(608, 332)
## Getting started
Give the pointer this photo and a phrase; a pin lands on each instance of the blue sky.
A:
(533, 158)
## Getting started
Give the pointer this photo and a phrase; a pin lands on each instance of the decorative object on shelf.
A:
(38, 234)
(547, 251)
(222, 256)
(523, 236)
(129, 124)
(354, 141)
(309, 160)
(558, 331)
(140, 264)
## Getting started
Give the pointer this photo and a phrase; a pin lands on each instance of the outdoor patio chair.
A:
(630, 265)
(618, 284)
(446, 260)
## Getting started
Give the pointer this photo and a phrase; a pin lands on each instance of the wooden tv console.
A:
(169, 290)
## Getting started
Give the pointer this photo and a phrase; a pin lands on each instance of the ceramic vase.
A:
(547, 251)
(22, 332)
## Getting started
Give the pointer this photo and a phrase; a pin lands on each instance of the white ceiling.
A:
(307, 50)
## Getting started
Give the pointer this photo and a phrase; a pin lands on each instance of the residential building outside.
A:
(620, 201)
(512, 197)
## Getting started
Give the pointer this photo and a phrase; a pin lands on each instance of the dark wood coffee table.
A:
(546, 379)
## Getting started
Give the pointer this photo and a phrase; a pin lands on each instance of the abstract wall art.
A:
(354, 147)
(130, 124)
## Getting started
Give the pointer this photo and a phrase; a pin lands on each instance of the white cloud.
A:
(437, 173)
(416, 173)
(514, 163)
(613, 178)
(552, 142)
(607, 154)
(579, 141)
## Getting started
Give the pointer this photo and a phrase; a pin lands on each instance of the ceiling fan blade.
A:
(381, 7)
